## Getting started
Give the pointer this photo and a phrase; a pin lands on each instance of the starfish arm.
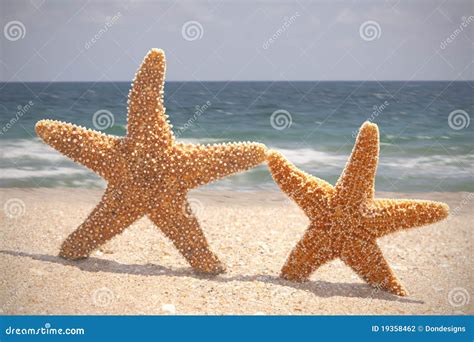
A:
(357, 180)
(309, 192)
(367, 260)
(311, 252)
(146, 111)
(180, 225)
(93, 149)
(205, 164)
(386, 216)
(116, 211)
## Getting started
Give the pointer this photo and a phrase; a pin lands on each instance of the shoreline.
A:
(210, 193)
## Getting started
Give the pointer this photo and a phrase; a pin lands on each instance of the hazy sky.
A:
(237, 40)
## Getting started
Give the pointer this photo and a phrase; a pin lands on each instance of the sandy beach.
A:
(140, 272)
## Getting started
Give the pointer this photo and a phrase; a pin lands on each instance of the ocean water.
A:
(314, 124)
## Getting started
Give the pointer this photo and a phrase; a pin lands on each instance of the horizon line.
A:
(236, 81)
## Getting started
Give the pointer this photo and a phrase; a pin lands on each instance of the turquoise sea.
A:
(426, 134)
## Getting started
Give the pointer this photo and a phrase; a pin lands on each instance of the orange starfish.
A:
(147, 171)
(346, 220)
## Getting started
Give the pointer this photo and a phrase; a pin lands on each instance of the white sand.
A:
(140, 272)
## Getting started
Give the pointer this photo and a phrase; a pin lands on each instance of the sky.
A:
(102, 40)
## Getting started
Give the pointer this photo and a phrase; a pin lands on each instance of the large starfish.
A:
(346, 220)
(147, 171)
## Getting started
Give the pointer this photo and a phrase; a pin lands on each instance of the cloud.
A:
(325, 32)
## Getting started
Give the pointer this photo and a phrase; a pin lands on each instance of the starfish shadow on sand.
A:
(319, 288)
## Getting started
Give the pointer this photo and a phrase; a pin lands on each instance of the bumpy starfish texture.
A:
(147, 171)
(346, 220)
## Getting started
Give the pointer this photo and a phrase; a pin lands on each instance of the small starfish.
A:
(147, 172)
(346, 220)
